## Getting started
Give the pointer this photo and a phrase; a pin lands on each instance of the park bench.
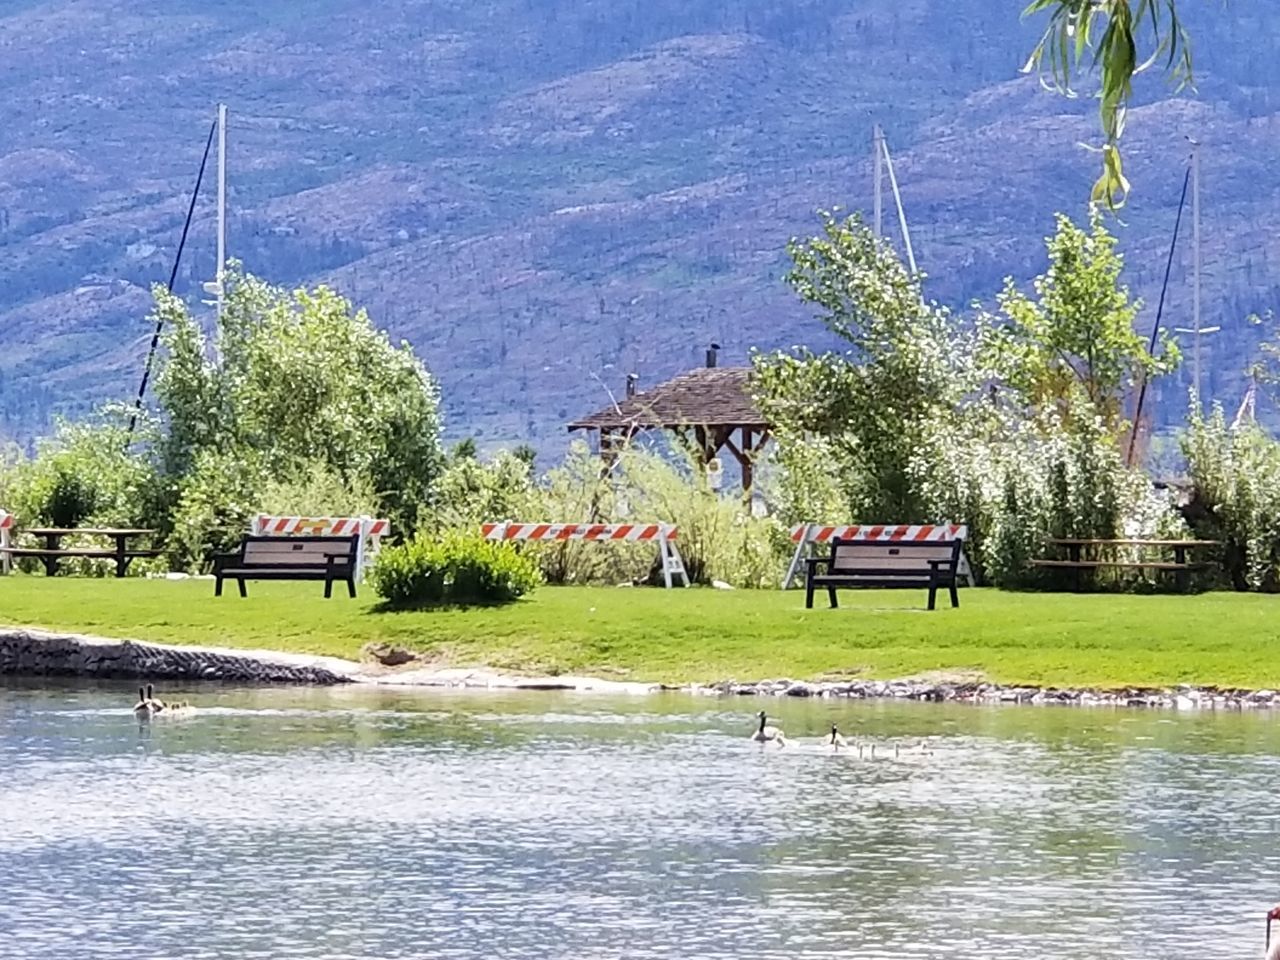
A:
(331, 559)
(53, 551)
(1090, 554)
(880, 563)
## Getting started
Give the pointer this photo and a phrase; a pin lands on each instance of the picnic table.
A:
(53, 551)
(1091, 554)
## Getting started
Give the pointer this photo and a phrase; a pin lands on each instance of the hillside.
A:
(540, 193)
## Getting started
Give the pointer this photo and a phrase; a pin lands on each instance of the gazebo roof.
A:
(707, 397)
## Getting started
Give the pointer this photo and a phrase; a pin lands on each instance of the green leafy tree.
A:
(907, 366)
(1077, 332)
(1110, 36)
(293, 380)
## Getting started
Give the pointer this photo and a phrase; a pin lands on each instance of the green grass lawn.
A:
(1221, 639)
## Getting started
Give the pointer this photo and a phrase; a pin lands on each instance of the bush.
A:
(720, 538)
(452, 569)
(470, 492)
(215, 505)
(84, 475)
(1235, 497)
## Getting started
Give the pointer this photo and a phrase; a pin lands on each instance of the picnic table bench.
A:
(53, 551)
(891, 564)
(1088, 554)
(331, 559)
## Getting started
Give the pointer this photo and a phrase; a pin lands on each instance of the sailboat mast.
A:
(1195, 243)
(222, 203)
(877, 141)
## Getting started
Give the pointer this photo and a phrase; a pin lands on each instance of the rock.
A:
(721, 585)
(387, 655)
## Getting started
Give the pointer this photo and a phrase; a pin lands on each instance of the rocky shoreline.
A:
(37, 653)
(1184, 697)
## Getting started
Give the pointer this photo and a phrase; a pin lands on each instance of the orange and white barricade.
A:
(662, 534)
(6, 542)
(808, 535)
(368, 529)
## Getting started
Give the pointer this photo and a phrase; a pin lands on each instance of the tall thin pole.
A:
(897, 199)
(878, 148)
(1195, 242)
(222, 203)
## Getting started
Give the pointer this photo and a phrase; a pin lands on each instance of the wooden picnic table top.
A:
(1068, 542)
(87, 531)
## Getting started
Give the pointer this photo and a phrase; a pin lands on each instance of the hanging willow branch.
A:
(1105, 35)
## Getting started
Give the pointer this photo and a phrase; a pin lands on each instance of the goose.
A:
(145, 706)
(149, 705)
(836, 741)
(768, 734)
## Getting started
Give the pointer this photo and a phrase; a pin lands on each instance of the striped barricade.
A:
(6, 532)
(369, 529)
(806, 535)
(663, 534)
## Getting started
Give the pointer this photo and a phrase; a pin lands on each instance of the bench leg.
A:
(955, 595)
(328, 588)
(217, 587)
(831, 594)
(240, 584)
(933, 596)
(351, 587)
(808, 595)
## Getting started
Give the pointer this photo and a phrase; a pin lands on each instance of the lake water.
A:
(356, 823)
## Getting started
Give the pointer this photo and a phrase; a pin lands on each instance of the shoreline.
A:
(33, 653)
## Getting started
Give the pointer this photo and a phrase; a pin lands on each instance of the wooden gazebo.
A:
(712, 407)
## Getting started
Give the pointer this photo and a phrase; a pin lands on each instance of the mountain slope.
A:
(544, 195)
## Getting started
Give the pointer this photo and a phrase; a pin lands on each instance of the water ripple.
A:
(387, 825)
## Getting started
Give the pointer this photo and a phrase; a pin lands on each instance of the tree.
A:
(1077, 333)
(906, 370)
(1106, 35)
(294, 382)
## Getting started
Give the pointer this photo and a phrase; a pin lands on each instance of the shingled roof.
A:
(707, 397)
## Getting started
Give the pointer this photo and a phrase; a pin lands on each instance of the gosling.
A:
(767, 733)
